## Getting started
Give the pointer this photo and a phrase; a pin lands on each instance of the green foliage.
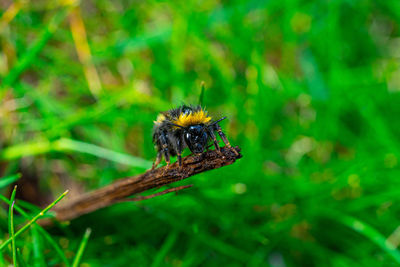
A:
(311, 90)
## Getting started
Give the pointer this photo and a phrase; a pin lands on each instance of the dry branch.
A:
(166, 191)
(123, 188)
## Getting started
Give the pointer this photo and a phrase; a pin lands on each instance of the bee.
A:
(185, 126)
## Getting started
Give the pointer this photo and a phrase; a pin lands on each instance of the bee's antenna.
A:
(177, 125)
(215, 122)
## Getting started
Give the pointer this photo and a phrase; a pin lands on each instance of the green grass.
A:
(312, 96)
(54, 246)
(32, 221)
(9, 180)
(11, 226)
(81, 248)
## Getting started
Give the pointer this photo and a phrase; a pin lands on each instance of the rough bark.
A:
(120, 190)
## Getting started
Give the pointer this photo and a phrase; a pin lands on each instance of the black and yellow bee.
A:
(185, 126)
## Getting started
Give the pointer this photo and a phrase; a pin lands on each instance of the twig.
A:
(166, 191)
(123, 188)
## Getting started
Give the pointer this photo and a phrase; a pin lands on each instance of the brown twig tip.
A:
(169, 190)
(123, 188)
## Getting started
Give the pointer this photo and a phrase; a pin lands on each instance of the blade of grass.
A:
(79, 35)
(69, 144)
(41, 230)
(191, 258)
(81, 248)
(9, 180)
(20, 259)
(33, 220)
(169, 242)
(209, 240)
(29, 207)
(367, 231)
(2, 261)
(53, 244)
(38, 255)
(10, 13)
(26, 149)
(33, 51)
(11, 225)
(64, 144)
(84, 115)
(201, 97)
(131, 45)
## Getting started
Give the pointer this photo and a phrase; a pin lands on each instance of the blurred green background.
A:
(311, 90)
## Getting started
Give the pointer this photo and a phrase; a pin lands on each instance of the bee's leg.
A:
(179, 151)
(158, 160)
(166, 156)
(223, 137)
(212, 135)
(164, 147)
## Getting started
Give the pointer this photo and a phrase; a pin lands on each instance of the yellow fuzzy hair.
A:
(160, 118)
(196, 117)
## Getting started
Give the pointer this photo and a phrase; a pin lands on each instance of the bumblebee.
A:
(185, 126)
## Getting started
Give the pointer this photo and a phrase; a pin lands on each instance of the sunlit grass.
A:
(66, 145)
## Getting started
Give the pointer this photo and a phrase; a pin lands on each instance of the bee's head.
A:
(196, 138)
